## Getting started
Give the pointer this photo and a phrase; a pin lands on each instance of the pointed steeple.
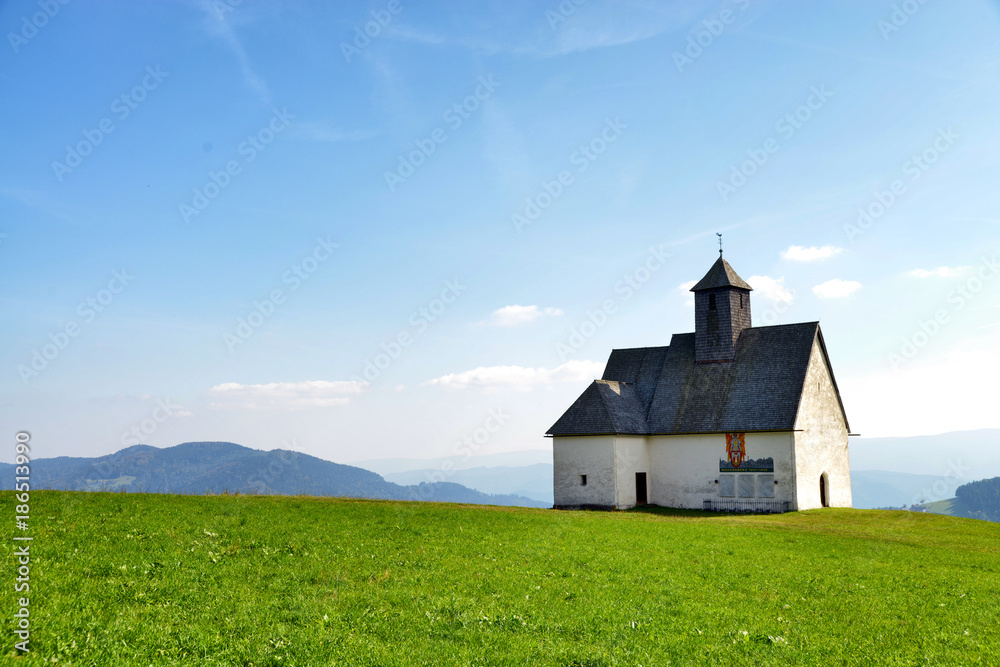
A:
(721, 275)
(721, 312)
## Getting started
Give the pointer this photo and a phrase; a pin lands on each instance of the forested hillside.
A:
(982, 498)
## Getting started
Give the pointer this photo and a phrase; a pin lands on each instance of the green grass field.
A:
(161, 580)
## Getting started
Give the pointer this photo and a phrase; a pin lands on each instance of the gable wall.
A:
(821, 443)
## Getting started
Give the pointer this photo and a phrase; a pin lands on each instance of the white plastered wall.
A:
(631, 456)
(593, 456)
(821, 439)
(684, 468)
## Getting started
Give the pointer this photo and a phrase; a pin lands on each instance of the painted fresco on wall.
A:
(736, 449)
(736, 453)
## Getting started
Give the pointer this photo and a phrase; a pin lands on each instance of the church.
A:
(731, 417)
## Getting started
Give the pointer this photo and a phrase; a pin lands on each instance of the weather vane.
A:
(720, 243)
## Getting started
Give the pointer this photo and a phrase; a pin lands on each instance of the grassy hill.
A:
(145, 579)
(949, 507)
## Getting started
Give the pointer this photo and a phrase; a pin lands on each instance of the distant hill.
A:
(959, 455)
(949, 507)
(516, 459)
(874, 489)
(982, 498)
(532, 481)
(975, 500)
(217, 467)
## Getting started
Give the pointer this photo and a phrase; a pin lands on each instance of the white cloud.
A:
(934, 392)
(511, 316)
(836, 288)
(519, 377)
(940, 272)
(798, 253)
(772, 288)
(285, 395)
(685, 289)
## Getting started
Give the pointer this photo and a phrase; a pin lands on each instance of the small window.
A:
(711, 302)
(583, 480)
(741, 302)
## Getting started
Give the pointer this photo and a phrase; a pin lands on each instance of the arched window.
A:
(711, 302)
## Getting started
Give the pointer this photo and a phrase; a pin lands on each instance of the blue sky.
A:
(475, 185)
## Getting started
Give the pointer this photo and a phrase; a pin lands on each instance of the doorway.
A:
(823, 500)
(640, 488)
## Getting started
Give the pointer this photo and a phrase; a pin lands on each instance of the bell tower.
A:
(721, 312)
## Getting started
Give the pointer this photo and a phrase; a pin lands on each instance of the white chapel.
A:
(730, 417)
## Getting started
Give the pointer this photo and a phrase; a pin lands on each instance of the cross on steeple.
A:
(720, 243)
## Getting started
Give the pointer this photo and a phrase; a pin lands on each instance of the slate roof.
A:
(661, 390)
(604, 407)
(721, 275)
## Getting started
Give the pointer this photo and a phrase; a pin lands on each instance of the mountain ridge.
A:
(226, 467)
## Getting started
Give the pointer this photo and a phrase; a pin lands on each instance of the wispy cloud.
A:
(220, 27)
(285, 395)
(511, 316)
(555, 31)
(519, 377)
(836, 288)
(798, 253)
(940, 272)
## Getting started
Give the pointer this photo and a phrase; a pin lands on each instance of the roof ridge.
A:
(789, 324)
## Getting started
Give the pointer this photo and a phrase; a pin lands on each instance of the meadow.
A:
(143, 579)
